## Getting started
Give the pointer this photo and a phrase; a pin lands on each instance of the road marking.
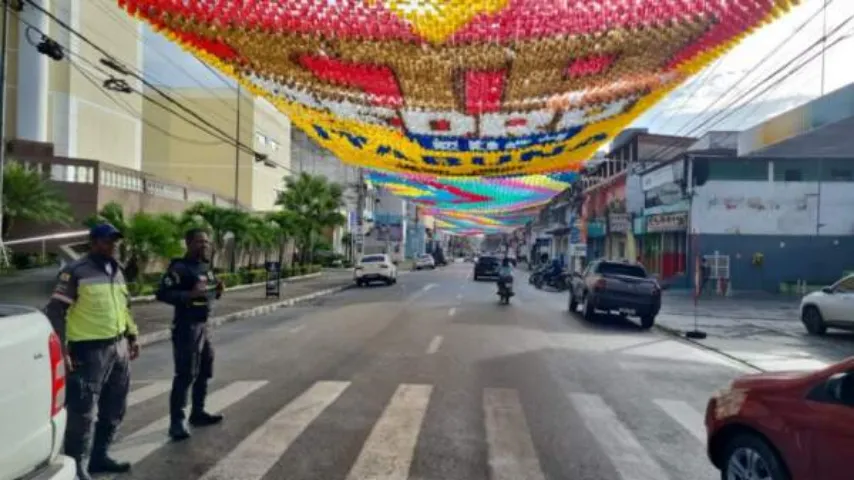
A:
(148, 392)
(147, 440)
(685, 415)
(428, 287)
(616, 440)
(459, 296)
(387, 454)
(452, 311)
(297, 329)
(260, 451)
(434, 345)
(511, 450)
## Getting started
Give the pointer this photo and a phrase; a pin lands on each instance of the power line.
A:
(203, 125)
(116, 65)
(759, 84)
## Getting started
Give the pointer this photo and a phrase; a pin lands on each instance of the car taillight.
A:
(656, 290)
(600, 284)
(57, 374)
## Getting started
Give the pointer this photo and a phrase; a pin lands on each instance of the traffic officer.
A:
(90, 311)
(190, 285)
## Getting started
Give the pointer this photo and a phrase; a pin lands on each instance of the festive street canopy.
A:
(461, 223)
(454, 87)
(491, 195)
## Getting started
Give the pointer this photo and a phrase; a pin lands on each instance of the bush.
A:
(230, 279)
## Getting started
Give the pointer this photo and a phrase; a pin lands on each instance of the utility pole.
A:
(4, 256)
(237, 152)
(361, 191)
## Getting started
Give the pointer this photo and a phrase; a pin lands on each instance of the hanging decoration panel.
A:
(473, 195)
(459, 88)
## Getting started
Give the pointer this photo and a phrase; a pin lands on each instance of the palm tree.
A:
(285, 226)
(28, 196)
(259, 237)
(114, 214)
(219, 220)
(315, 204)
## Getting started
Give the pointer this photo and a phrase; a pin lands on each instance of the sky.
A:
(694, 108)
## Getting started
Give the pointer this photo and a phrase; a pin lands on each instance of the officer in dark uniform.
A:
(90, 311)
(190, 286)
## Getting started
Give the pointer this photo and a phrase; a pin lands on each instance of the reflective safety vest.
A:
(101, 307)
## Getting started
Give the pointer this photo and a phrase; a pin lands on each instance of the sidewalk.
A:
(154, 318)
(766, 335)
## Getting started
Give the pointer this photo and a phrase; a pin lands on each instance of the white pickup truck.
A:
(32, 398)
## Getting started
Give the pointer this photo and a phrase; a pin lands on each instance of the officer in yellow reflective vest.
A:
(90, 311)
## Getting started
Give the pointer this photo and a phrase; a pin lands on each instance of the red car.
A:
(784, 425)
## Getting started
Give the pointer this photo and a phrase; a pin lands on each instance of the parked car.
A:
(375, 268)
(486, 267)
(615, 287)
(831, 306)
(425, 261)
(32, 405)
(784, 425)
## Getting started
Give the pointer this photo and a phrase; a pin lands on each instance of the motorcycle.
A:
(505, 290)
(538, 272)
(559, 282)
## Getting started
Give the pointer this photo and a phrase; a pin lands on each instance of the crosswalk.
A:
(388, 449)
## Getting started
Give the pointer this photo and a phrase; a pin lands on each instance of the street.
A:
(433, 379)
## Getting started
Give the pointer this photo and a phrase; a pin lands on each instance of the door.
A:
(832, 429)
(839, 305)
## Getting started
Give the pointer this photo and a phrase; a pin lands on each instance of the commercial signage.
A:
(667, 222)
(618, 223)
(577, 250)
(658, 177)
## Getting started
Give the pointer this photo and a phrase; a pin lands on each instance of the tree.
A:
(146, 236)
(28, 196)
(285, 226)
(315, 204)
(259, 237)
(220, 221)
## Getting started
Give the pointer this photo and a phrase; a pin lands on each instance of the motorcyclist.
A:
(555, 269)
(505, 274)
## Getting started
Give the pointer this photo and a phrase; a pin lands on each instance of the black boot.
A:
(100, 461)
(105, 464)
(177, 431)
(204, 419)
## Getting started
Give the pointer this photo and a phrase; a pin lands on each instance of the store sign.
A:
(577, 250)
(618, 223)
(667, 222)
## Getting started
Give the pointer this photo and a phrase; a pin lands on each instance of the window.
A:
(373, 258)
(621, 269)
(738, 169)
(846, 285)
(796, 170)
(837, 170)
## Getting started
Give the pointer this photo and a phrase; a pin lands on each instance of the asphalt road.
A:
(433, 379)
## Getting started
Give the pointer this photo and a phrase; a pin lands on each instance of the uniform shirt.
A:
(91, 301)
(505, 271)
(177, 283)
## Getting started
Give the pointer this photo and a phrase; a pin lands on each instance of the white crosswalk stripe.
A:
(152, 390)
(259, 452)
(147, 440)
(685, 415)
(511, 449)
(387, 453)
(624, 450)
(393, 441)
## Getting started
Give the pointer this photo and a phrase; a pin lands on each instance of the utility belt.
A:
(95, 344)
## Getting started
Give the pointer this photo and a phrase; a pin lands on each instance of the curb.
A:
(678, 334)
(215, 322)
(237, 288)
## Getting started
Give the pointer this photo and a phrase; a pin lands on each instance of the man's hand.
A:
(220, 287)
(133, 348)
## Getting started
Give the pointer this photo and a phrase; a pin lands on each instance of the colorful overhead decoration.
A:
(463, 223)
(474, 195)
(459, 88)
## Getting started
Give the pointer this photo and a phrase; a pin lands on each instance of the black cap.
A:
(104, 231)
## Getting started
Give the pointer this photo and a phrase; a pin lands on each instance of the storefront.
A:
(664, 244)
(615, 241)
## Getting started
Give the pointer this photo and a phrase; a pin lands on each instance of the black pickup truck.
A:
(616, 287)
